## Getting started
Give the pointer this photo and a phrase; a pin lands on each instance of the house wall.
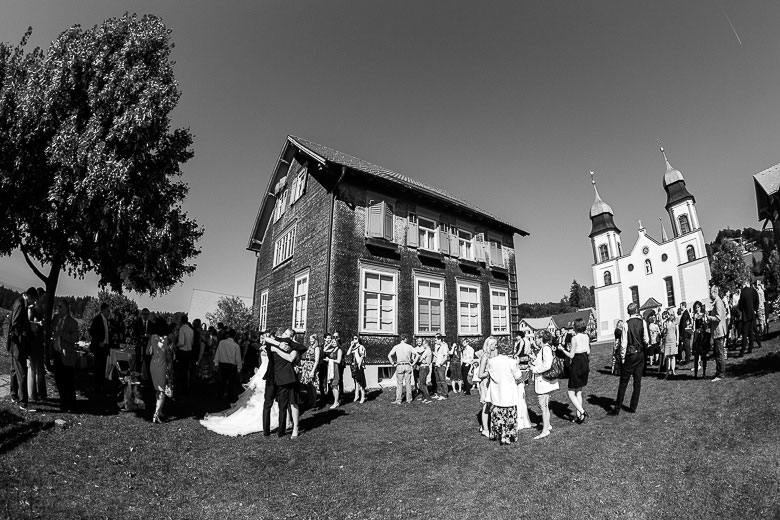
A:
(333, 301)
(350, 252)
(310, 214)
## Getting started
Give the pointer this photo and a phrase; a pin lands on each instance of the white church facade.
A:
(654, 274)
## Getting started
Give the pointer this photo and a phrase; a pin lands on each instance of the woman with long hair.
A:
(161, 366)
(541, 363)
(358, 367)
(580, 367)
(701, 339)
(488, 353)
(669, 334)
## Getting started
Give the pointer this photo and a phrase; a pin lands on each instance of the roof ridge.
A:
(363, 165)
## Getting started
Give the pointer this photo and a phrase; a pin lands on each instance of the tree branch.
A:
(35, 270)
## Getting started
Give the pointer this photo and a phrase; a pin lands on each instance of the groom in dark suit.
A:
(100, 334)
(748, 306)
(19, 343)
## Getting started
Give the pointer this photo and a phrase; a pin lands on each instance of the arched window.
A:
(691, 252)
(603, 253)
(685, 226)
(635, 295)
(648, 267)
(607, 278)
(669, 291)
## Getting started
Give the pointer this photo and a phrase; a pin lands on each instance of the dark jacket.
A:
(97, 332)
(748, 303)
(19, 330)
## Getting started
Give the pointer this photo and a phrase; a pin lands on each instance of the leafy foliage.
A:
(89, 165)
(729, 271)
(233, 312)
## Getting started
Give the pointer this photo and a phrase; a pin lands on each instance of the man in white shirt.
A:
(227, 360)
(184, 353)
(466, 360)
(404, 357)
(440, 356)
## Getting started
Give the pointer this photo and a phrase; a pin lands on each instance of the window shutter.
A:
(479, 247)
(496, 258)
(454, 243)
(389, 228)
(375, 220)
(302, 182)
(412, 234)
(444, 239)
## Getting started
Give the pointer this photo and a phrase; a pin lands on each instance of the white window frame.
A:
(364, 270)
(429, 279)
(471, 286)
(284, 246)
(431, 234)
(263, 308)
(300, 302)
(494, 317)
(298, 185)
(466, 246)
(281, 204)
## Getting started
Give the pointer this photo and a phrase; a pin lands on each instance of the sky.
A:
(506, 104)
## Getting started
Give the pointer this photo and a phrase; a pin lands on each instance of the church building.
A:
(653, 274)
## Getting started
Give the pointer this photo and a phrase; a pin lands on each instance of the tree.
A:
(729, 271)
(574, 295)
(89, 165)
(123, 308)
(232, 311)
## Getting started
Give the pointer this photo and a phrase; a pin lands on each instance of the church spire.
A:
(600, 213)
(664, 236)
(674, 184)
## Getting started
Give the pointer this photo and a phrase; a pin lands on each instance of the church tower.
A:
(680, 204)
(604, 234)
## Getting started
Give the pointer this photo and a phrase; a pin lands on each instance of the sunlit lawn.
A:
(696, 449)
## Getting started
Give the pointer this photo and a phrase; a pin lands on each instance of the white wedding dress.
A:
(246, 414)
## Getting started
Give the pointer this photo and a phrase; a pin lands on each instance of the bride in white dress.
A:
(246, 414)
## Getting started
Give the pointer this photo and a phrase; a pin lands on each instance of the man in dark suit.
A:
(143, 328)
(19, 343)
(748, 307)
(685, 335)
(100, 334)
(282, 353)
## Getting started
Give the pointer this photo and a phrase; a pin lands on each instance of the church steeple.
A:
(674, 184)
(680, 204)
(601, 214)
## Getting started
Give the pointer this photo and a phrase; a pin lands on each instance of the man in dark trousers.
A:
(19, 344)
(634, 341)
(282, 353)
(143, 328)
(685, 335)
(100, 334)
(748, 307)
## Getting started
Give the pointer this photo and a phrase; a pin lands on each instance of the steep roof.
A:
(566, 321)
(767, 184)
(537, 323)
(651, 303)
(325, 153)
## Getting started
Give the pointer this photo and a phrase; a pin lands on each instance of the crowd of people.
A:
(267, 376)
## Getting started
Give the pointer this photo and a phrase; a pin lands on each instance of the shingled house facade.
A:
(345, 245)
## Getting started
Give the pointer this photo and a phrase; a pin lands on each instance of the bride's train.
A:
(246, 414)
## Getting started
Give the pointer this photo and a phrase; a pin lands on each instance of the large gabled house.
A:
(345, 245)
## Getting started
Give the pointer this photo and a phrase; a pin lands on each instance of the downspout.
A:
(330, 250)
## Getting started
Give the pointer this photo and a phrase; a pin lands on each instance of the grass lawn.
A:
(695, 449)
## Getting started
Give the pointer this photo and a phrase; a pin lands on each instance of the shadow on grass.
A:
(605, 403)
(17, 429)
(317, 419)
(755, 367)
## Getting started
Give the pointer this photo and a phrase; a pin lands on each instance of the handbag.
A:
(556, 369)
